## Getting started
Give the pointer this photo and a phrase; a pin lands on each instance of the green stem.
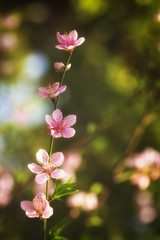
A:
(63, 75)
(51, 145)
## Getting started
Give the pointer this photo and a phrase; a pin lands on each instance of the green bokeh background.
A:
(114, 82)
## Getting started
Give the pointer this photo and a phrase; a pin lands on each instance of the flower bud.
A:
(59, 66)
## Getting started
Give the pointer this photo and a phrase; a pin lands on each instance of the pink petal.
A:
(80, 41)
(55, 134)
(48, 212)
(57, 159)
(68, 132)
(49, 120)
(57, 115)
(42, 156)
(73, 34)
(62, 89)
(61, 38)
(43, 90)
(32, 214)
(61, 47)
(54, 95)
(27, 206)
(58, 173)
(41, 178)
(43, 95)
(70, 47)
(35, 168)
(69, 120)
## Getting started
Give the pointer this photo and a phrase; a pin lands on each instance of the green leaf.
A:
(64, 189)
(54, 233)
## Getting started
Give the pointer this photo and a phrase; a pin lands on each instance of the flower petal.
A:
(49, 120)
(69, 120)
(27, 206)
(57, 159)
(43, 90)
(45, 95)
(57, 115)
(62, 89)
(68, 132)
(42, 156)
(32, 214)
(55, 134)
(41, 178)
(61, 47)
(73, 35)
(61, 38)
(58, 173)
(80, 41)
(35, 168)
(48, 212)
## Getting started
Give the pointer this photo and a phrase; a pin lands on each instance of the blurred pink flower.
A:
(6, 187)
(72, 162)
(39, 207)
(142, 181)
(146, 211)
(8, 41)
(146, 167)
(69, 41)
(59, 66)
(11, 21)
(59, 126)
(48, 166)
(84, 201)
(51, 91)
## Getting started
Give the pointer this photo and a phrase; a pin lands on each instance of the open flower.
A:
(59, 126)
(69, 41)
(39, 207)
(51, 91)
(59, 66)
(48, 168)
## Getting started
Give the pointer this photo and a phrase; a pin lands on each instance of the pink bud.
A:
(59, 66)
(48, 128)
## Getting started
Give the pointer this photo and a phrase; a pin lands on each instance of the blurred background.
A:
(113, 87)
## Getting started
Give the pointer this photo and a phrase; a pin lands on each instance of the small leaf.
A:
(64, 189)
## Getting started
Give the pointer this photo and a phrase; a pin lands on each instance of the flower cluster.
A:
(49, 163)
(146, 167)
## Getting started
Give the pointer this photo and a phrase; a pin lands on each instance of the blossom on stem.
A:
(59, 66)
(69, 41)
(39, 207)
(48, 168)
(59, 126)
(51, 91)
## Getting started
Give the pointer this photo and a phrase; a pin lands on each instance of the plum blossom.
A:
(146, 167)
(59, 66)
(39, 207)
(51, 91)
(85, 201)
(69, 41)
(48, 168)
(59, 126)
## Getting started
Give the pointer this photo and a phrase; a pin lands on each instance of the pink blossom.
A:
(51, 91)
(83, 200)
(69, 41)
(141, 180)
(59, 66)
(48, 168)
(59, 126)
(39, 207)
(146, 167)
